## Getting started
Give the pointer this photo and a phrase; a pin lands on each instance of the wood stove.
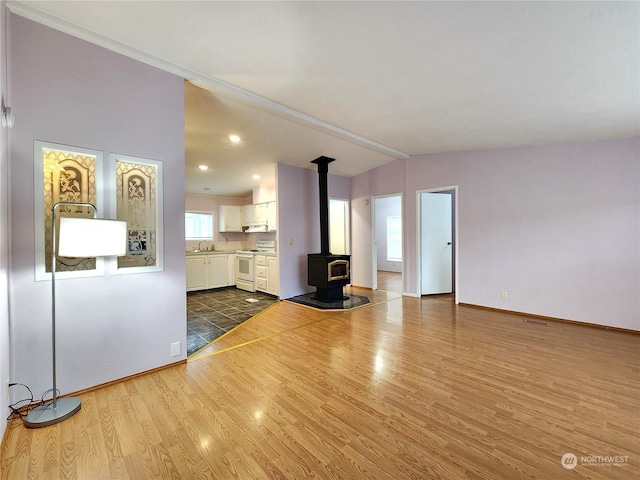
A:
(327, 272)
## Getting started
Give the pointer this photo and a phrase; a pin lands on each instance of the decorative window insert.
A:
(139, 203)
(63, 173)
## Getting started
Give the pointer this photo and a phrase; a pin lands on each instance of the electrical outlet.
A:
(175, 349)
(503, 295)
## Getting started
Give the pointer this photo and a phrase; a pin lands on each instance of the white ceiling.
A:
(368, 82)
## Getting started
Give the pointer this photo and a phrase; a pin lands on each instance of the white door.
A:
(436, 260)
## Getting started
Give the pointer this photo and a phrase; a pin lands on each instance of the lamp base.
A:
(46, 415)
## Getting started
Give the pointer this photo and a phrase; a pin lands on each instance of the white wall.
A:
(68, 91)
(5, 359)
(556, 227)
(264, 194)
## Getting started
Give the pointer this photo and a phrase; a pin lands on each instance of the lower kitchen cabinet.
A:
(196, 273)
(272, 275)
(267, 274)
(216, 271)
(210, 271)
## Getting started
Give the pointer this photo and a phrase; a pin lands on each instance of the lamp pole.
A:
(58, 409)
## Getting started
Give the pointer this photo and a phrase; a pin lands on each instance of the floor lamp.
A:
(79, 238)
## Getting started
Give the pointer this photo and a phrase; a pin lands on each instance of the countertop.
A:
(210, 252)
(266, 254)
(224, 252)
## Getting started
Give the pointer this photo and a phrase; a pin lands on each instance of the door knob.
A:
(448, 243)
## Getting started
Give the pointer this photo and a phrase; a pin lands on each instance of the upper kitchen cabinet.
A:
(259, 217)
(230, 217)
(259, 214)
(246, 215)
(272, 224)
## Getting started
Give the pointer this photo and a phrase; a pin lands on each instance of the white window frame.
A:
(391, 238)
(199, 213)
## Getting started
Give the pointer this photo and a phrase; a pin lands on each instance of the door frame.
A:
(374, 246)
(456, 251)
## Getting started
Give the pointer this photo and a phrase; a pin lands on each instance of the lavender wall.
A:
(385, 180)
(72, 92)
(298, 234)
(556, 227)
(299, 220)
(5, 366)
(338, 187)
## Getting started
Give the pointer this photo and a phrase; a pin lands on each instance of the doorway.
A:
(437, 241)
(339, 226)
(387, 249)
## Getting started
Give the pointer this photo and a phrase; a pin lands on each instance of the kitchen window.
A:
(198, 226)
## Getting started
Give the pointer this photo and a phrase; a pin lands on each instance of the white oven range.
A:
(245, 264)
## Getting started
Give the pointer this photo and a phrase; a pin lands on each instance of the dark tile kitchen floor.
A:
(212, 313)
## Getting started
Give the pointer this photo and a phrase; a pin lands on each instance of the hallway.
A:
(390, 281)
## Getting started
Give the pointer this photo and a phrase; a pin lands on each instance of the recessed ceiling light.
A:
(203, 167)
(256, 177)
(234, 138)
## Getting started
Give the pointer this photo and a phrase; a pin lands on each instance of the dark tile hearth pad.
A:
(347, 302)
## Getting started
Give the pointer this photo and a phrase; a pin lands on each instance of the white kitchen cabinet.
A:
(246, 215)
(210, 271)
(216, 271)
(230, 218)
(258, 214)
(272, 224)
(267, 274)
(261, 278)
(272, 275)
(196, 273)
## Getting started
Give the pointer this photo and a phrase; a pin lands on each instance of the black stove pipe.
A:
(323, 169)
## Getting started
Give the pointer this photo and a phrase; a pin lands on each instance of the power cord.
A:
(42, 400)
(15, 407)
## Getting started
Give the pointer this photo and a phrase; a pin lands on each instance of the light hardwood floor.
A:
(404, 388)
(390, 281)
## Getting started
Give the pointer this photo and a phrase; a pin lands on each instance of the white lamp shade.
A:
(92, 237)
